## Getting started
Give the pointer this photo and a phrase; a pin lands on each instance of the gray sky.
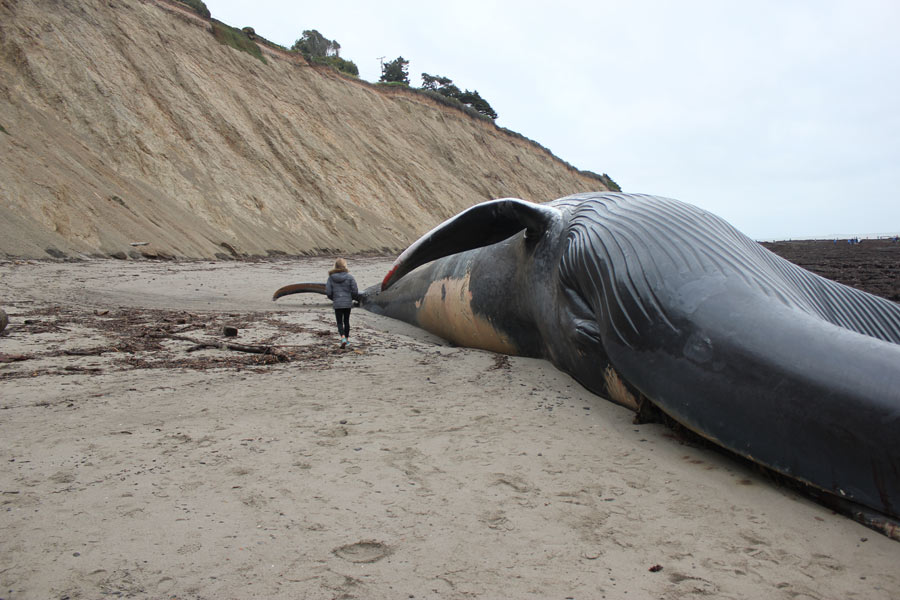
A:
(781, 116)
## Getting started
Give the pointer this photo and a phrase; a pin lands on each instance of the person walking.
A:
(341, 290)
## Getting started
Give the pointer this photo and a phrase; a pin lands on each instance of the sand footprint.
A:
(365, 551)
(164, 585)
(517, 483)
(685, 586)
(497, 520)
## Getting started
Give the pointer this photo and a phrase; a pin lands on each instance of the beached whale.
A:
(788, 369)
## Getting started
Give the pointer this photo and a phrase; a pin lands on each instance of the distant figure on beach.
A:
(341, 290)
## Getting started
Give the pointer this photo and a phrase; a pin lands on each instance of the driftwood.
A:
(240, 348)
(86, 351)
(9, 358)
(253, 349)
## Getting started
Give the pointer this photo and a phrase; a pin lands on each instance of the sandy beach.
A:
(139, 460)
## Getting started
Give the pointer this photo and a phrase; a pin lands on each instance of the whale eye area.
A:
(587, 329)
(577, 304)
(587, 333)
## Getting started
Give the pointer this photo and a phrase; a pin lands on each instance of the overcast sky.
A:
(781, 116)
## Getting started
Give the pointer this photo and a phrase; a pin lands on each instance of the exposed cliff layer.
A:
(125, 121)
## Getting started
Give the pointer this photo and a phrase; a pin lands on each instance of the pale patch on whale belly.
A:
(446, 310)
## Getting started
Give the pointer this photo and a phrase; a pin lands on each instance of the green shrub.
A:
(335, 62)
(605, 180)
(400, 84)
(3, 130)
(261, 40)
(198, 7)
(236, 39)
(612, 185)
(343, 65)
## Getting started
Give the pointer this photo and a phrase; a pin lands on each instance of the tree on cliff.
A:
(314, 44)
(318, 49)
(441, 85)
(445, 87)
(396, 70)
(475, 100)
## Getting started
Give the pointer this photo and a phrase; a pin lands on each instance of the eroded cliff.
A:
(125, 122)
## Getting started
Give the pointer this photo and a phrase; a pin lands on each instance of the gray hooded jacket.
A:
(341, 289)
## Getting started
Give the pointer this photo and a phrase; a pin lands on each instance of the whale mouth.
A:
(388, 279)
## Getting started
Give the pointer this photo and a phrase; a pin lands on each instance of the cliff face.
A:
(125, 121)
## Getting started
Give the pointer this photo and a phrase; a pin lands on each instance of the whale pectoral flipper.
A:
(780, 386)
(481, 225)
(299, 288)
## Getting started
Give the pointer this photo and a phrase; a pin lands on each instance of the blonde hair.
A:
(340, 266)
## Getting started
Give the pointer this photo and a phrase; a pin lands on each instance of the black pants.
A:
(342, 315)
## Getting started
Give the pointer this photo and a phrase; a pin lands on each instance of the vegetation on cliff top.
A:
(445, 87)
(442, 89)
(317, 49)
(236, 38)
(198, 6)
